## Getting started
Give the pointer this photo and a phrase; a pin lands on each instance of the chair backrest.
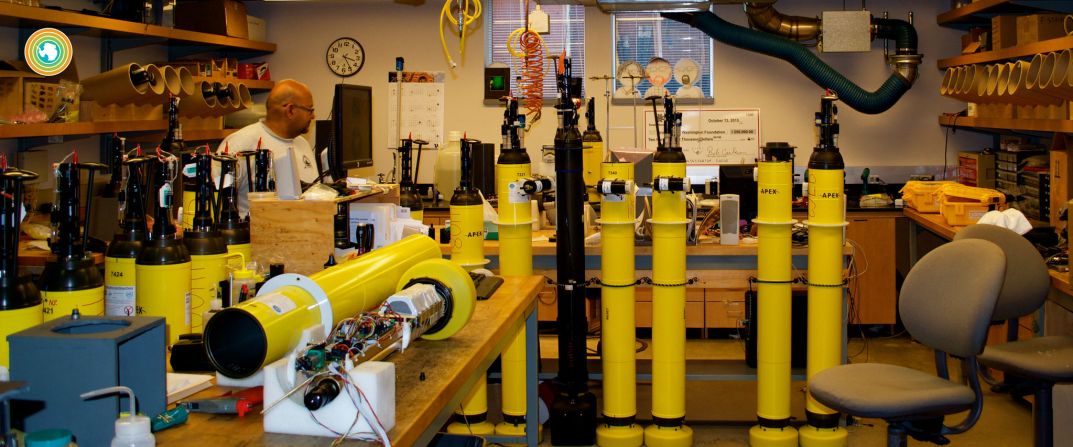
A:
(949, 296)
(1027, 281)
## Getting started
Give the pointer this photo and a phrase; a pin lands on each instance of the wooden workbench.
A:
(35, 257)
(451, 367)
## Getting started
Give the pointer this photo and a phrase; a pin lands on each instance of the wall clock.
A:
(345, 56)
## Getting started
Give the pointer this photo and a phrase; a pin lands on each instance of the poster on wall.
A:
(422, 106)
(712, 136)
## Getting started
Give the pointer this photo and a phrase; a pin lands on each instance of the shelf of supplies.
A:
(1000, 124)
(90, 128)
(979, 13)
(27, 16)
(1028, 50)
(253, 84)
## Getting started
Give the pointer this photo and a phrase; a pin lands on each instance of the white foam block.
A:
(375, 379)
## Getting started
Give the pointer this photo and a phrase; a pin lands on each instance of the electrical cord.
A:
(468, 12)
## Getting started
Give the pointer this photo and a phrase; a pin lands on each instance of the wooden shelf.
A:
(26, 16)
(979, 13)
(1001, 124)
(58, 129)
(207, 134)
(1043, 46)
(253, 84)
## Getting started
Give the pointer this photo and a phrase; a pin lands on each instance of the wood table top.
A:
(449, 366)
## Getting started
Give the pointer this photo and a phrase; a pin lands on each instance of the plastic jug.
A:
(132, 430)
(449, 165)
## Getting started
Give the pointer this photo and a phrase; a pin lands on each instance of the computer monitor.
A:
(351, 144)
(738, 179)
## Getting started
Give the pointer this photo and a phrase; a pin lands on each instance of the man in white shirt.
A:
(290, 111)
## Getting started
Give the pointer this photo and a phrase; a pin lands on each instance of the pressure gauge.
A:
(629, 74)
(658, 72)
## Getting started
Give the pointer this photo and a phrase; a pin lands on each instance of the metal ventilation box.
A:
(846, 32)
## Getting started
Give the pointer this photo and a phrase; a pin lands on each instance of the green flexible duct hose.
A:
(807, 62)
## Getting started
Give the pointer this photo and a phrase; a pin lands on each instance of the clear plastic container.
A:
(449, 165)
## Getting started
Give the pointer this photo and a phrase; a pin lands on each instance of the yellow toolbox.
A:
(964, 205)
(922, 196)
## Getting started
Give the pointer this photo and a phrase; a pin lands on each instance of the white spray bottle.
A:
(132, 430)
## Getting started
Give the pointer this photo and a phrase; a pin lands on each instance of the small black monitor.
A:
(738, 179)
(352, 129)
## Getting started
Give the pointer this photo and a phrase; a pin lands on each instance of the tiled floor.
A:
(721, 412)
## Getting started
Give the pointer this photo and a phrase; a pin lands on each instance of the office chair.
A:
(1038, 363)
(946, 303)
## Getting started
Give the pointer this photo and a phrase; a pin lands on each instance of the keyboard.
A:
(486, 285)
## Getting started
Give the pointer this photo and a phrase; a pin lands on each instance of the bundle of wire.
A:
(468, 12)
(528, 47)
(345, 346)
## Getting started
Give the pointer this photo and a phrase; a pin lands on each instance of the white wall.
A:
(906, 135)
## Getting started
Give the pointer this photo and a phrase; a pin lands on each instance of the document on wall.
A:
(422, 107)
(712, 136)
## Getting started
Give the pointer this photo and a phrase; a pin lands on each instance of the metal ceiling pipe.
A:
(905, 61)
(766, 18)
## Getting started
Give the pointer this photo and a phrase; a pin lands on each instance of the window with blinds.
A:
(567, 32)
(641, 36)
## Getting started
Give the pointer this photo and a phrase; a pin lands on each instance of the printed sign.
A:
(713, 136)
(48, 51)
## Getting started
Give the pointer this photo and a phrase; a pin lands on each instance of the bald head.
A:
(290, 108)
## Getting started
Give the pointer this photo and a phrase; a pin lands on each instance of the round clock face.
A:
(345, 56)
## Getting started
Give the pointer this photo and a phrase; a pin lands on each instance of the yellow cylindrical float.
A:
(89, 302)
(668, 304)
(617, 295)
(774, 299)
(515, 259)
(467, 250)
(243, 338)
(16, 320)
(467, 235)
(164, 291)
(592, 152)
(120, 283)
(826, 224)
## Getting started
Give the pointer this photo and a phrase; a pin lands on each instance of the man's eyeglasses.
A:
(310, 110)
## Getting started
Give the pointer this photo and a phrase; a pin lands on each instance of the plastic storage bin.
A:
(921, 196)
(964, 205)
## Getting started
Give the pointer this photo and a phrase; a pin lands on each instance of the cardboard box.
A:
(224, 17)
(257, 30)
(1003, 32)
(1037, 27)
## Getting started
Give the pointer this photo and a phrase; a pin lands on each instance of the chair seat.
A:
(889, 392)
(1044, 358)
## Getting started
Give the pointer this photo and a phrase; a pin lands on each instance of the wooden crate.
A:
(1003, 32)
(300, 233)
(1036, 27)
